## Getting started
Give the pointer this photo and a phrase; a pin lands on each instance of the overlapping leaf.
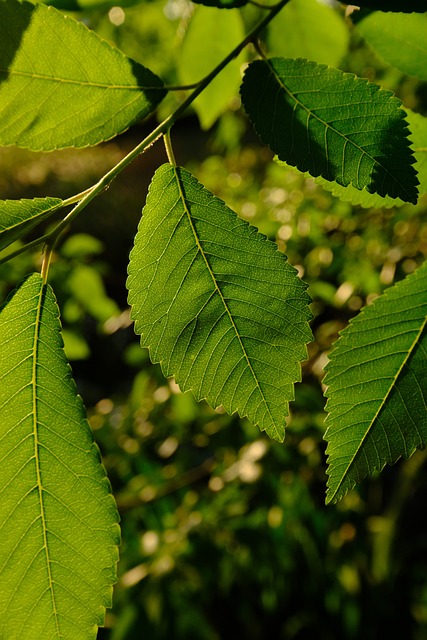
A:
(308, 29)
(418, 137)
(19, 216)
(209, 38)
(377, 386)
(219, 307)
(61, 85)
(400, 40)
(58, 521)
(331, 124)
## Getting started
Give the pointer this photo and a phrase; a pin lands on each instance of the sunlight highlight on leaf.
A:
(61, 85)
(219, 307)
(58, 519)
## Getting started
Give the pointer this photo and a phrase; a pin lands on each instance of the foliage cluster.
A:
(220, 309)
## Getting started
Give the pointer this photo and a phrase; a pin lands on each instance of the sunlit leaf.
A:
(308, 29)
(61, 85)
(377, 386)
(17, 217)
(58, 520)
(219, 307)
(331, 124)
(210, 37)
(400, 40)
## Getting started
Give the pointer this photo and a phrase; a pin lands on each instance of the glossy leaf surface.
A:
(58, 520)
(377, 387)
(218, 306)
(61, 85)
(331, 124)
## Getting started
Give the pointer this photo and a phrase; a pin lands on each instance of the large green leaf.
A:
(210, 36)
(377, 386)
(61, 85)
(58, 520)
(19, 216)
(407, 6)
(400, 40)
(331, 124)
(308, 29)
(219, 307)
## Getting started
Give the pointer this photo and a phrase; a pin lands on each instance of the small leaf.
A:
(331, 124)
(400, 40)
(308, 29)
(219, 307)
(209, 38)
(17, 217)
(377, 386)
(407, 6)
(58, 520)
(61, 85)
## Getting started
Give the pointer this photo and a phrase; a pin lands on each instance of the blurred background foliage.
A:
(225, 533)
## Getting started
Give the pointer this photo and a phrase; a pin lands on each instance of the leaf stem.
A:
(87, 196)
(169, 149)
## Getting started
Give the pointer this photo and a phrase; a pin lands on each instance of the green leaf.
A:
(331, 124)
(61, 85)
(308, 29)
(377, 386)
(407, 6)
(210, 36)
(58, 520)
(418, 137)
(219, 307)
(17, 217)
(400, 40)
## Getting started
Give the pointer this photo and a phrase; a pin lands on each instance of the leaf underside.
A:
(331, 124)
(377, 386)
(61, 85)
(218, 306)
(17, 217)
(58, 520)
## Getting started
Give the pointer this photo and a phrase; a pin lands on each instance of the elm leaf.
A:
(17, 217)
(216, 303)
(61, 85)
(377, 386)
(58, 520)
(331, 124)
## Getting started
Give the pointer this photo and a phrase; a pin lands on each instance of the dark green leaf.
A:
(17, 217)
(219, 307)
(331, 124)
(377, 386)
(61, 85)
(58, 520)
